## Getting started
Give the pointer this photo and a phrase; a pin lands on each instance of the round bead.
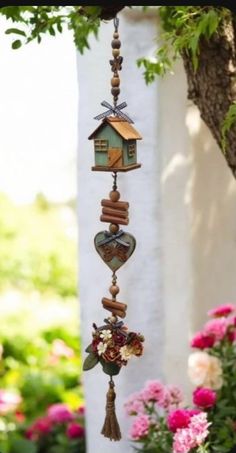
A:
(113, 319)
(114, 195)
(115, 35)
(115, 53)
(115, 44)
(114, 290)
(115, 81)
(113, 228)
(115, 91)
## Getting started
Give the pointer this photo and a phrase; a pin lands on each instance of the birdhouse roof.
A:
(125, 129)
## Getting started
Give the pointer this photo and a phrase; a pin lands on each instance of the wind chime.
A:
(115, 150)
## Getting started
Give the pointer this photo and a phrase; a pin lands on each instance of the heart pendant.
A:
(114, 249)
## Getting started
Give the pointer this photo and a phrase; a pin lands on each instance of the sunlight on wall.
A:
(38, 117)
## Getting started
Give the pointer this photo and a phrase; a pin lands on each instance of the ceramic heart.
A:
(114, 249)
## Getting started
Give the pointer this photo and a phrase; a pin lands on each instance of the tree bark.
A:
(212, 87)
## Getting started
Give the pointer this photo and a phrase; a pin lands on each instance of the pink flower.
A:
(75, 431)
(202, 340)
(216, 327)
(222, 310)
(8, 401)
(60, 349)
(199, 427)
(175, 394)
(81, 410)
(204, 397)
(60, 413)
(140, 427)
(178, 419)
(183, 441)
(194, 435)
(40, 427)
(153, 391)
(134, 405)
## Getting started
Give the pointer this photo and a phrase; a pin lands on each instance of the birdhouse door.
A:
(115, 157)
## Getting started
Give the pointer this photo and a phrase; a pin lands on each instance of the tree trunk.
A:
(212, 87)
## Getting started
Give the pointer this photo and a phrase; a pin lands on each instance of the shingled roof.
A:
(125, 129)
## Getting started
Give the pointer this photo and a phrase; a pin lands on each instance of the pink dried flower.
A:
(204, 397)
(222, 310)
(178, 419)
(140, 427)
(60, 413)
(153, 391)
(75, 431)
(216, 327)
(203, 340)
(134, 405)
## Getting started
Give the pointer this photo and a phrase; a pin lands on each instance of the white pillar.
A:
(139, 279)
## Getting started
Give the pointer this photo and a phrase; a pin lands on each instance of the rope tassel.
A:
(111, 428)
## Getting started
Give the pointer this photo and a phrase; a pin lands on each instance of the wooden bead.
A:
(114, 228)
(115, 53)
(115, 35)
(115, 213)
(114, 290)
(115, 91)
(114, 195)
(115, 44)
(115, 81)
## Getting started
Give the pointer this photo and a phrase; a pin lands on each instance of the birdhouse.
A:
(115, 145)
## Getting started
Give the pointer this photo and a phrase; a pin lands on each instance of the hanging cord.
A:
(116, 63)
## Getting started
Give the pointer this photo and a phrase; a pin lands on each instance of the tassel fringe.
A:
(111, 428)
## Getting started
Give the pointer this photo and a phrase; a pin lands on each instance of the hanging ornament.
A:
(115, 149)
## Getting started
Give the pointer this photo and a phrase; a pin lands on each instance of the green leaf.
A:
(89, 348)
(90, 361)
(23, 445)
(16, 44)
(110, 368)
(16, 31)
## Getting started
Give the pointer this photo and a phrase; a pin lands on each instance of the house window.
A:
(131, 149)
(101, 145)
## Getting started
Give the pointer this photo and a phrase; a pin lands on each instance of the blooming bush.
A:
(212, 368)
(60, 430)
(161, 425)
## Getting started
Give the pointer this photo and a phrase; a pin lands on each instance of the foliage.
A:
(161, 426)
(35, 21)
(183, 29)
(222, 331)
(36, 249)
(228, 122)
(40, 366)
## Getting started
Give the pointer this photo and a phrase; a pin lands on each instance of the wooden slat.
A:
(112, 219)
(115, 212)
(109, 303)
(122, 205)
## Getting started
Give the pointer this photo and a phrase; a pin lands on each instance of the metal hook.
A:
(116, 23)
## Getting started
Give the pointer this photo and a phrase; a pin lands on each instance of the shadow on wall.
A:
(213, 226)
